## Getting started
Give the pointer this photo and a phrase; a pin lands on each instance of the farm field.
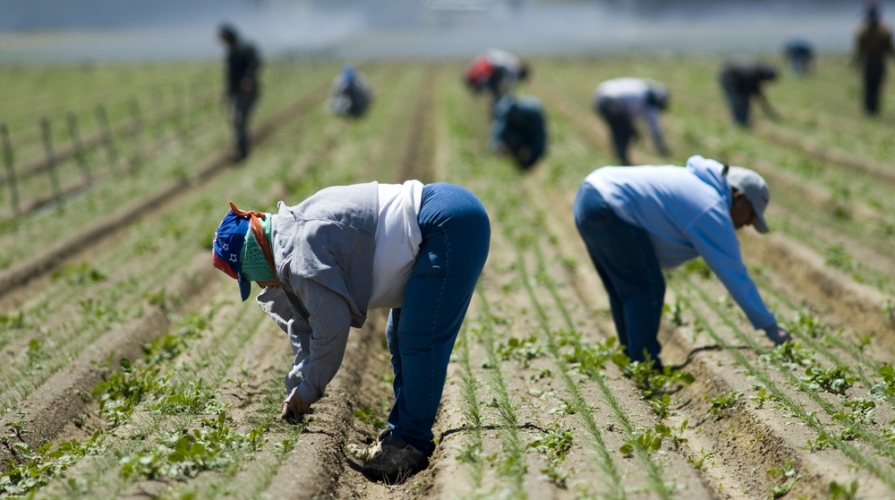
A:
(131, 370)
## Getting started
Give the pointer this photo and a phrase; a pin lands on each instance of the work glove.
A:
(295, 408)
(777, 335)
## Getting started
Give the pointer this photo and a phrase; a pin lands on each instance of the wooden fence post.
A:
(136, 132)
(51, 159)
(78, 146)
(10, 169)
(103, 120)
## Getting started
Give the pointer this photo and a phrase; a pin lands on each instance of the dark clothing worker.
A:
(743, 80)
(241, 84)
(873, 46)
(519, 129)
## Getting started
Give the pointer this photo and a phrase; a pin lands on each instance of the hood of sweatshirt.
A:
(710, 172)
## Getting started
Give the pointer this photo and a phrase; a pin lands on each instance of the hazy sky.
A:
(72, 30)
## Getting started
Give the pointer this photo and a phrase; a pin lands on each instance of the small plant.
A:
(675, 312)
(367, 415)
(522, 350)
(789, 355)
(805, 323)
(790, 476)
(698, 267)
(37, 468)
(887, 386)
(647, 440)
(673, 434)
(836, 256)
(554, 446)
(861, 412)
(835, 380)
(762, 397)
(78, 274)
(722, 403)
(843, 492)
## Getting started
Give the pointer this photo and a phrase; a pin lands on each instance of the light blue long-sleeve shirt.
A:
(686, 212)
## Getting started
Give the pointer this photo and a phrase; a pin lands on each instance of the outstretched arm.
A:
(652, 120)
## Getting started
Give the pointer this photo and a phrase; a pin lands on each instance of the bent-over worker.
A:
(415, 249)
(635, 221)
(620, 101)
(519, 129)
(741, 80)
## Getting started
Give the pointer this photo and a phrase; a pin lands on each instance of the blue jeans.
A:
(421, 333)
(626, 261)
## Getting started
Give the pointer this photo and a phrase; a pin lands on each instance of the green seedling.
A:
(843, 492)
(762, 397)
(78, 274)
(698, 267)
(675, 312)
(180, 455)
(789, 475)
(887, 386)
(861, 412)
(789, 355)
(660, 405)
(645, 439)
(835, 380)
(805, 323)
(522, 350)
(564, 408)
(722, 403)
(673, 434)
(553, 447)
(539, 375)
(652, 382)
(368, 416)
(836, 256)
(37, 468)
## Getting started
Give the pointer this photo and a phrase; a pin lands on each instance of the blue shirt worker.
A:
(241, 84)
(350, 95)
(635, 221)
(519, 129)
(621, 101)
(743, 80)
(415, 249)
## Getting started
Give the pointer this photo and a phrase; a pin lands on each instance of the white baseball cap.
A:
(756, 191)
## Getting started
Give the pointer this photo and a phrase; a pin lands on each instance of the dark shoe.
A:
(396, 462)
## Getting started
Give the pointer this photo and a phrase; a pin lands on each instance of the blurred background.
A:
(102, 30)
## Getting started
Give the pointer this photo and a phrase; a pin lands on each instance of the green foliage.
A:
(78, 274)
(35, 469)
(805, 323)
(675, 312)
(789, 355)
(843, 492)
(673, 434)
(652, 382)
(698, 267)
(835, 380)
(861, 412)
(722, 403)
(554, 446)
(646, 439)
(836, 256)
(368, 416)
(886, 388)
(762, 397)
(522, 350)
(790, 476)
(183, 454)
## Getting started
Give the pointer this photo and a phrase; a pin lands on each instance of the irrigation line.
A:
(796, 409)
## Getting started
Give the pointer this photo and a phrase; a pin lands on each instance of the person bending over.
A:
(635, 221)
(741, 81)
(323, 264)
(497, 72)
(620, 101)
(519, 129)
(350, 95)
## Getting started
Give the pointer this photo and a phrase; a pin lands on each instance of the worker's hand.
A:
(295, 408)
(777, 335)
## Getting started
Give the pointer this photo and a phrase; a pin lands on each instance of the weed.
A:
(805, 323)
(368, 416)
(650, 381)
(675, 312)
(539, 375)
(789, 355)
(564, 408)
(843, 492)
(646, 439)
(78, 274)
(722, 403)
(762, 397)
(554, 446)
(673, 434)
(887, 386)
(183, 454)
(522, 350)
(836, 256)
(37, 468)
(698, 267)
(835, 380)
(789, 474)
(861, 412)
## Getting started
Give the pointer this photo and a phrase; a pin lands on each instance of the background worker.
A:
(519, 129)
(324, 263)
(497, 72)
(872, 47)
(350, 94)
(799, 53)
(635, 221)
(622, 100)
(741, 80)
(240, 84)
